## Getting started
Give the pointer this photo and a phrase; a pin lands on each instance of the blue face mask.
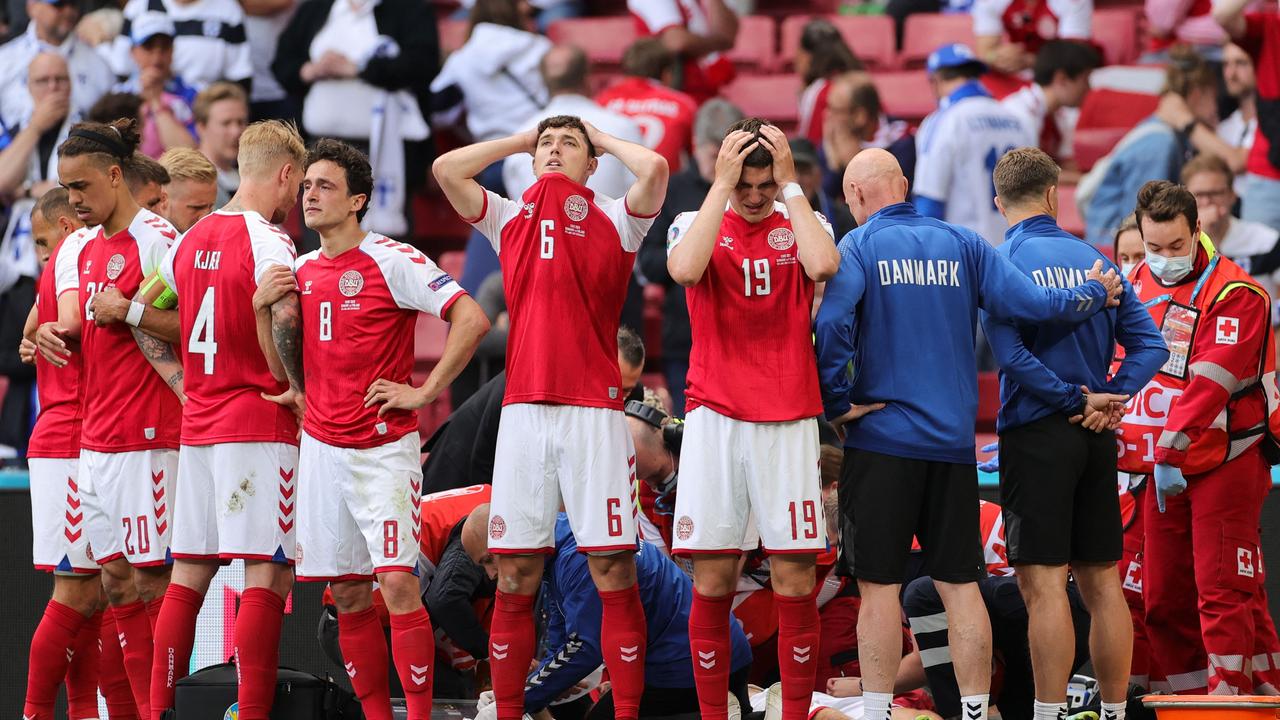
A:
(1170, 269)
(1127, 268)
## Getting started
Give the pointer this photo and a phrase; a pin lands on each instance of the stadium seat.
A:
(603, 38)
(926, 32)
(988, 401)
(1115, 30)
(1105, 117)
(428, 339)
(870, 36)
(453, 33)
(452, 262)
(906, 94)
(437, 228)
(1069, 217)
(775, 97)
(756, 46)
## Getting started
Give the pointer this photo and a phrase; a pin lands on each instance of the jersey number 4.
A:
(202, 340)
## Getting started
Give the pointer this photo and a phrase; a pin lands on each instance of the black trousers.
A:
(667, 702)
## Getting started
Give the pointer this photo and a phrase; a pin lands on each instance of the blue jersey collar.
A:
(902, 209)
(973, 88)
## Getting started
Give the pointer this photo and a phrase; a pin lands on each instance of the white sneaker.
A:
(735, 708)
(773, 702)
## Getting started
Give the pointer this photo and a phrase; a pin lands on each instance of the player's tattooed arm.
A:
(155, 318)
(286, 335)
(276, 282)
(162, 358)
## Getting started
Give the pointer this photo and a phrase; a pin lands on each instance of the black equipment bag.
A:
(210, 694)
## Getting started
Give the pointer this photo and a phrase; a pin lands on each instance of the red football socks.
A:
(510, 651)
(175, 634)
(712, 653)
(797, 650)
(153, 611)
(258, 651)
(82, 673)
(134, 628)
(112, 678)
(52, 647)
(364, 649)
(413, 646)
(622, 642)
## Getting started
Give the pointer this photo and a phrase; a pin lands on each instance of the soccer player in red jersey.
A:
(664, 114)
(239, 449)
(65, 644)
(360, 480)
(749, 460)
(566, 255)
(129, 436)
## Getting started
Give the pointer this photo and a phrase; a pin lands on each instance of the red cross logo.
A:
(1228, 331)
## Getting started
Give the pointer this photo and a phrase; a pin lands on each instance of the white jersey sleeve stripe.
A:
(269, 245)
(414, 281)
(631, 228)
(66, 272)
(496, 213)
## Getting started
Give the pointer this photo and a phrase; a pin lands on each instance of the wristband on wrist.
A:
(791, 190)
(134, 316)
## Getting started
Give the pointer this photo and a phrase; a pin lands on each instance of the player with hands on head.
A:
(1048, 465)
(750, 458)
(566, 254)
(910, 467)
(130, 432)
(238, 450)
(1199, 428)
(360, 475)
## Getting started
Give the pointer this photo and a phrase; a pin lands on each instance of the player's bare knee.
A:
(197, 574)
(520, 574)
(715, 575)
(151, 582)
(1042, 583)
(1099, 585)
(274, 576)
(792, 575)
(614, 571)
(81, 593)
(400, 592)
(352, 596)
(117, 583)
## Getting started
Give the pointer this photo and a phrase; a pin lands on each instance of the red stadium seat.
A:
(870, 36)
(1105, 117)
(775, 97)
(428, 339)
(453, 33)
(452, 262)
(906, 94)
(603, 38)
(756, 44)
(1069, 217)
(926, 32)
(1115, 30)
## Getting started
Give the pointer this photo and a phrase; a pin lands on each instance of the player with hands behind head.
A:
(750, 455)
(566, 255)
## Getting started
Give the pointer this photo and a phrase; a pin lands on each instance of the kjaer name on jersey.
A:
(207, 259)
(919, 272)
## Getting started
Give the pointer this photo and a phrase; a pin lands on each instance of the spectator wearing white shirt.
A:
(546, 12)
(1009, 33)
(264, 22)
(564, 71)
(222, 113)
(1050, 105)
(1241, 83)
(1210, 179)
(209, 40)
(50, 30)
(166, 116)
(493, 78)
(700, 32)
(28, 151)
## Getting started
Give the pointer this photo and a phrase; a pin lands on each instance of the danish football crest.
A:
(684, 527)
(781, 238)
(115, 266)
(497, 527)
(575, 206)
(350, 283)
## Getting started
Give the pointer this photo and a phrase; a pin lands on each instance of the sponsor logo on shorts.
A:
(497, 527)
(440, 282)
(297, 551)
(575, 206)
(781, 238)
(684, 527)
(115, 266)
(350, 283)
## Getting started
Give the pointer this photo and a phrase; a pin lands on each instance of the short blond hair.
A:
(188, 164)
(268, 144)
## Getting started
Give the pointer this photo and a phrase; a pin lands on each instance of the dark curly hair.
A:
(113, 143)
(353, 162)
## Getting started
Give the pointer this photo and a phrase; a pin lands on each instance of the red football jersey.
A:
(214, 270)
(441, 513)
(57, 430)
(665, 115)
(358, 315)
(752, 356)
(702, 77)
(566, 256)
(127, 406)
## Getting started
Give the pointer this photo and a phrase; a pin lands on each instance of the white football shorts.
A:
(746, 482)
(358, 509)
(553, 455)
(60, 543)
(236, 502)
(128, 501)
